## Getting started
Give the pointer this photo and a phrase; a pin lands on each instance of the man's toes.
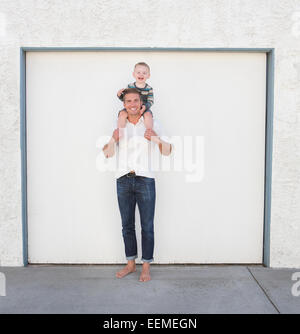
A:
(119, 275)
(145, 278)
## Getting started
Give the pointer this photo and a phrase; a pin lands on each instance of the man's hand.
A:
(106, 151)
(164, 148)
(120, 92)
(109, 148)
(116, 135)
(150, 133)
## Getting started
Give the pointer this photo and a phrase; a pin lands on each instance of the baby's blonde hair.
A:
(142, 64)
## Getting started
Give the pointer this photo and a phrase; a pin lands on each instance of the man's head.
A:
(132, 101)
(141, 72)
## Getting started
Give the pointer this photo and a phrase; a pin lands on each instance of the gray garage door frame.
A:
(270, 53)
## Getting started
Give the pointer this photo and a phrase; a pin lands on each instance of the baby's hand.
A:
(142, 109)
(120, 92)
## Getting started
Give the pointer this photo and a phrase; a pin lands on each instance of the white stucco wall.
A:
(161, 23)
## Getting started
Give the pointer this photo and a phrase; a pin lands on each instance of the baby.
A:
(141, 73)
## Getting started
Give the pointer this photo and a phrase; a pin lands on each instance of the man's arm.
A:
(109, 148)
(164, 147)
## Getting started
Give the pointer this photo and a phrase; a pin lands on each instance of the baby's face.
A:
(141, 73)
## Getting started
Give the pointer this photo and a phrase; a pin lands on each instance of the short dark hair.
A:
(142, 64)
(131, 91)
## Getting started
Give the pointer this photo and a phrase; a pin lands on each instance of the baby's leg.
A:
(122, 121)
(148, 119)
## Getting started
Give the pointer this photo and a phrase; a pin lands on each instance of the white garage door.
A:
(208, 211)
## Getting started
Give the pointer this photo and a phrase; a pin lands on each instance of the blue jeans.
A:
(140, 190)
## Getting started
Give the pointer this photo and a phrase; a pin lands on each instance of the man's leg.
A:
(127, 204)
(145, 197)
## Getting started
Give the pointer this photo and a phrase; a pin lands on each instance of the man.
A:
(135, 181)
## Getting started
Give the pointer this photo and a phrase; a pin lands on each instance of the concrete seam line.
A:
(264, 291)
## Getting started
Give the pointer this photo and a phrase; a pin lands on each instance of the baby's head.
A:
(141, 72)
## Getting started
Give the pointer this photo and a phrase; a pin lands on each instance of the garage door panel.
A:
(73, 215)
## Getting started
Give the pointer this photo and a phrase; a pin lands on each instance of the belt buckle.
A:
(131, 174)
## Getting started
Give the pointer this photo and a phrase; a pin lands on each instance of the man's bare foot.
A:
(145, 274)
(129, 268)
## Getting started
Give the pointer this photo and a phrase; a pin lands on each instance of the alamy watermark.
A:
(2, 285)
(296, 286)
(187, 156)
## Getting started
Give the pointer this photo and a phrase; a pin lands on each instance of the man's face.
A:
(141, 73)
(132, 103)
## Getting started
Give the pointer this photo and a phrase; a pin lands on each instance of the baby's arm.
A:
(150, 99)
(120, 94)
(148, 118)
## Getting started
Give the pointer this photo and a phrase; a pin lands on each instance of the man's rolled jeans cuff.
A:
(148, 261)
(131, 257)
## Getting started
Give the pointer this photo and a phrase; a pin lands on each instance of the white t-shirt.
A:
(136, 153)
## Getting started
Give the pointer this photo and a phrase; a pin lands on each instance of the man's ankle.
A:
(131, 263)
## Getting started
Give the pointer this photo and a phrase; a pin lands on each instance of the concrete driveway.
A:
(174, 289)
